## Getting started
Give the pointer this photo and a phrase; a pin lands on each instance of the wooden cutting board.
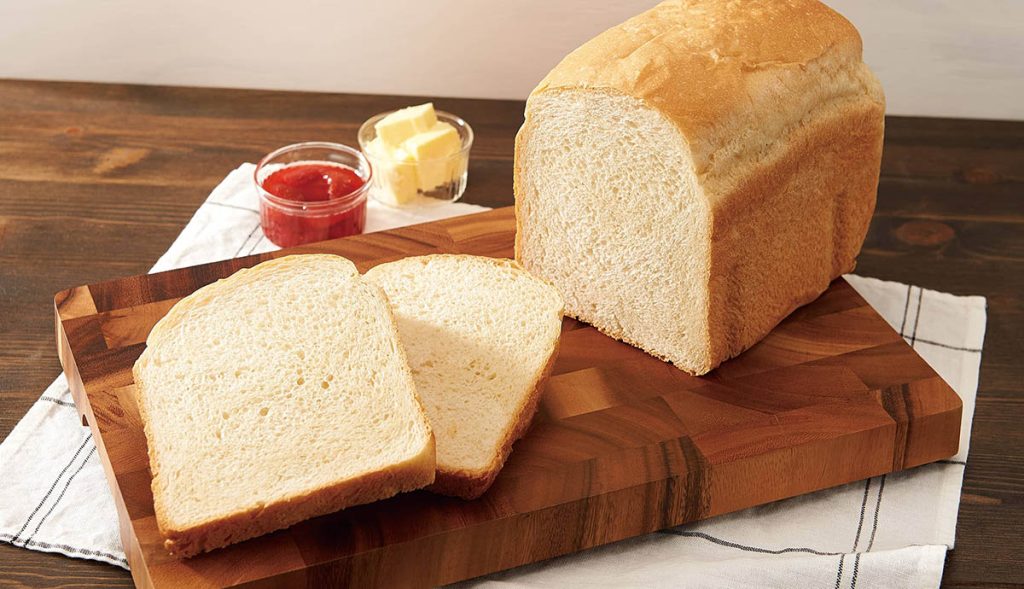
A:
(623, 444)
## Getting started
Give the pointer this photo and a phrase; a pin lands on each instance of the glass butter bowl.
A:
(405, 183)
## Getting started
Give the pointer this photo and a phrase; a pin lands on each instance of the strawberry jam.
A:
(312, 201)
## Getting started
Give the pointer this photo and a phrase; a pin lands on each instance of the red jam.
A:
(323, 201)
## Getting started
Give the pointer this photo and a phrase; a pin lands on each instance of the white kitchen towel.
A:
(888, 531)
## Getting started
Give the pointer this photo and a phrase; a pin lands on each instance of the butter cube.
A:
(394, 173)
(405, 123)
(433, 150)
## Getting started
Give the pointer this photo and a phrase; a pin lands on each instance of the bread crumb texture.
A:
(481, 335)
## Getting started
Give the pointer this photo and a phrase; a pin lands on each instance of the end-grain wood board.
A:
(623, 444)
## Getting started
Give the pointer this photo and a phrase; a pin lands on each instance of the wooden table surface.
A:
(96, 181)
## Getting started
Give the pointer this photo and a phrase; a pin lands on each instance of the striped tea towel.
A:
(888, 531)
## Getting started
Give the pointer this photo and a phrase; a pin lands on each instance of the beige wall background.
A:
(934, 57)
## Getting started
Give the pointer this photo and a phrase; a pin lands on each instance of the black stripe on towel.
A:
(745, 547)
(946, 346)
(57, 401)
(248, 237)
(52, 487)
(878, 508)
(917, 315)
(856, 539)
(906, 309)
(62, 492)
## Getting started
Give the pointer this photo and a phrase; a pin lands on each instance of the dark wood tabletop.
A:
(97, 180)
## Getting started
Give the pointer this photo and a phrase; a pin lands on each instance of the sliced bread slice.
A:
(481, 335)
(275, 395)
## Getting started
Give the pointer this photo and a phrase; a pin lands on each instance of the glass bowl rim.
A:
(343, 203)
(442, 115)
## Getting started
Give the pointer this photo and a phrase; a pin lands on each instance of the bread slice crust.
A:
(410, 475)
(471, 484)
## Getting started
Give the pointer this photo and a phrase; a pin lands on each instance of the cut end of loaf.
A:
(694, 269)
(689, 177)
(607, 201)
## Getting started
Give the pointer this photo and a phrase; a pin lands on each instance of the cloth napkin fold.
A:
(891, 530)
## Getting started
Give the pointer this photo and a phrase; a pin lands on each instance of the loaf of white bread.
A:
(690, 177)
(277, 394)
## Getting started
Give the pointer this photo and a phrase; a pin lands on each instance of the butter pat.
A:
(413, 153)
(394, 172)
(434, 150)
(405, 123)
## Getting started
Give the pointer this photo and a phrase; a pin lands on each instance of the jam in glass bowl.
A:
(312, 192)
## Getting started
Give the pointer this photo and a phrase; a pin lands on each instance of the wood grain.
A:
(623, 445)
(55, 233)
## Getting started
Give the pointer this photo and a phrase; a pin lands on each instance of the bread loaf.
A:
(481, 335)
(275, 395)
(688, 178)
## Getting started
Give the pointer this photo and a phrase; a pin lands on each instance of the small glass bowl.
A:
(398, 183)
(289, 223)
